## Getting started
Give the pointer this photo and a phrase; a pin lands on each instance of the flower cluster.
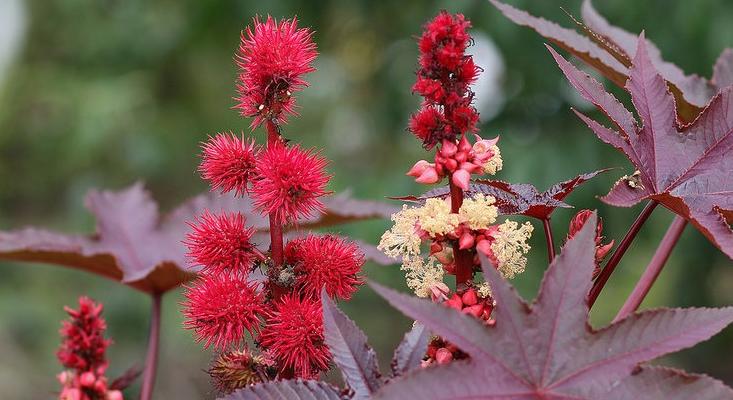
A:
(82, 353)
(457, 226)
(232, 302)
(602, 250)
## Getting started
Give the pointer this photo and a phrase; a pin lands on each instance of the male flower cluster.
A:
(83, 354)
(280, 310)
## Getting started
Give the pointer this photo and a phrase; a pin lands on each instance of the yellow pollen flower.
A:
(435, 217)
(421, 275)
(479, 212)
(402, 239)
(495, 163)
(510, 246)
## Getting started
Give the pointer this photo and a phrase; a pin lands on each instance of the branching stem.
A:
(620, 251)
(548, 238)
(654, 268)
(151, 359)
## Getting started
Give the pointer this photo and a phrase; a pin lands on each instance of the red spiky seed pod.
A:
(293, 335)
(326, 262)
(272, 59)
(221, 243)
(290, 182)
(228, 162)
(221, 309)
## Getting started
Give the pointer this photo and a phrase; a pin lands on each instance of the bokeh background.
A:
(104, 93)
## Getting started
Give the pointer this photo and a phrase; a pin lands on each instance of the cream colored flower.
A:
(435, 217)
(479, 212)
(495, 163)
(402, 239)
(510, 246)
(421, 275)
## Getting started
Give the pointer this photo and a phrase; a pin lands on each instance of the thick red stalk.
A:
(151, 359)
(620, 251)
(654, 268)
(462, 258)
(548, 238)
(276, 229)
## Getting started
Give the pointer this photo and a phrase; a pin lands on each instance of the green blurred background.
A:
(104, 93)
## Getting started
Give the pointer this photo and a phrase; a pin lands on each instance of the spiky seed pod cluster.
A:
(228, 308)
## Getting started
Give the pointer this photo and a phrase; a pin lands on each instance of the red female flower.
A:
(83, 347)
(228, 162)
(443, 79)
(293, 335)
(576, 224)
(272, 58)
(221, 243)
(325, 261)
(221, 308)
(289, 182)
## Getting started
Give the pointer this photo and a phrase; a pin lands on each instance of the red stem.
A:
(654, 268)
(462, 258)
(276, 229)
(548, 238)
(151, 359)
(620, 251)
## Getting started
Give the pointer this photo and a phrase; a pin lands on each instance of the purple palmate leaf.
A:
(548, 350)
(287, 390)
(351, 352)
(134, 244)
(411, 350)
(685, 168)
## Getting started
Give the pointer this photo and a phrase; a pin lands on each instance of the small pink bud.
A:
(418, 168)
(443, 356)
(455, 302)
(466, 241)
(461, 157)
(474, 310)
(471, 167)
(87, 379)
(448, 149)
(461, 178)
(469, 297)
(114, 395)
(464, 145)
(430, 175)
(484, 246)
(439, 292)
(70, 394)
(435, 247)
(63, 377)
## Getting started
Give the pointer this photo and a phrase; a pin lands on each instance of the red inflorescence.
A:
(325, 262)
(221, 308)
(443, 80)
(221, 243)
(602, 250)
(84, 345)
(289, 182)
(83, 353)
(272, 58)
(293, 334)
(228, 162)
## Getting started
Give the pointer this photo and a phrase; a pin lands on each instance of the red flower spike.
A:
(84, 346)
(289, 182)
(228, 162)
(221, 243)
(272, 58)
(221, 308)
(325, 261)
(293, 335)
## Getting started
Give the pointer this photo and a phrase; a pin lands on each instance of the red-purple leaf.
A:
(519, 198)
(670, 384)
(723, 69)
(411, 350)
(134, 245)
(287, 390)
(608, 49)
(548, 350)
(351, 353)
(570, 40)
(687, 169)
